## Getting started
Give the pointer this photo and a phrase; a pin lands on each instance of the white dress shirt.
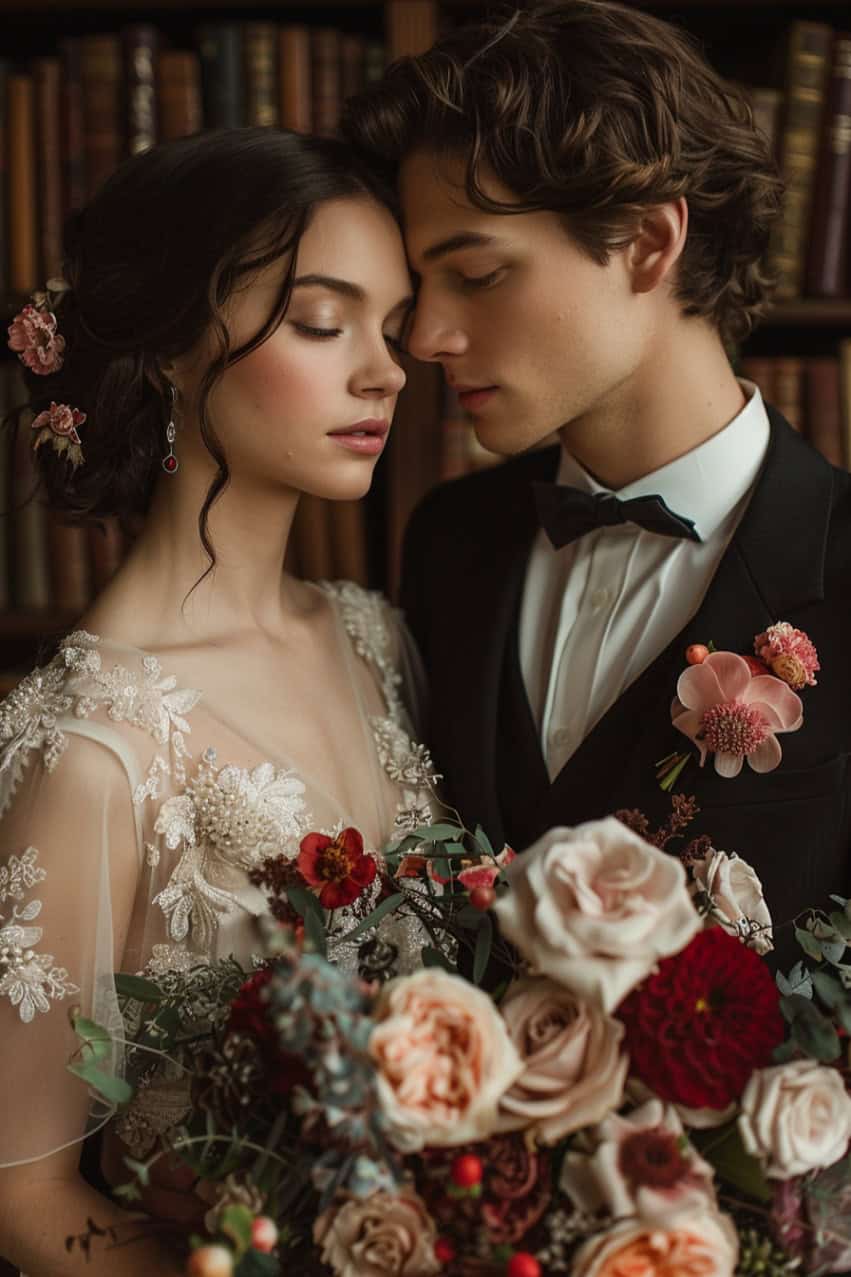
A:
(597, 612)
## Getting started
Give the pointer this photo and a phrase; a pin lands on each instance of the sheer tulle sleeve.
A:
(69, 867)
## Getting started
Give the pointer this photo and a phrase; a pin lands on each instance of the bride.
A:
(227, 340)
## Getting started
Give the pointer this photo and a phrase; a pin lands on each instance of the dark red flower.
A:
(515, 1189)
(652, 1159)
(337, 869)
(698, 1027)
(249, 1015)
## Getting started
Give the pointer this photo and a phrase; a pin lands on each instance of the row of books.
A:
(46, 563)
(814, 395)
(69, 117)
(808, 123)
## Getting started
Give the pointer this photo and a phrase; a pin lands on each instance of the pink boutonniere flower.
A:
(733, 714)
(57, 425)
(34, 339)
(735, 707)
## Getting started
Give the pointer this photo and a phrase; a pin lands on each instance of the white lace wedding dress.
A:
(136, 794)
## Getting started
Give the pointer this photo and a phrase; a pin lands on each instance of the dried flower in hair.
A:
(57, 426)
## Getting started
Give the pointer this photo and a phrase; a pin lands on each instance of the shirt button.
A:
(600, 598)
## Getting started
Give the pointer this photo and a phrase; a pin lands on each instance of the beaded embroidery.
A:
(29, 980)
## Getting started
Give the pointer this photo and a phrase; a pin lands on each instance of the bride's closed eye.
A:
(308, 330)
(482, 281)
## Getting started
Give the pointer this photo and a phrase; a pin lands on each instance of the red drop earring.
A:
(170, 461)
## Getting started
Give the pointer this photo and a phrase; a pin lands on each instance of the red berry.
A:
(444, 1251)
(697, 653)
(264, 1234)
(467, 1171)
(522, 1264)
(756, 666)
(483, 898)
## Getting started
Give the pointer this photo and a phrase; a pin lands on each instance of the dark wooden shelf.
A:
(810, 311)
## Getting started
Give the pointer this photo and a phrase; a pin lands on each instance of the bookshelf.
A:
(746, 39)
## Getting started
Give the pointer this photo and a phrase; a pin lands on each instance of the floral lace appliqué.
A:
(364, 616)
(29, 980)
(225, 819)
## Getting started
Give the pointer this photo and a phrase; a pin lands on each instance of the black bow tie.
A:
(568, 513)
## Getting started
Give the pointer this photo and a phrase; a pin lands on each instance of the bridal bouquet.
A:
(636, 1095)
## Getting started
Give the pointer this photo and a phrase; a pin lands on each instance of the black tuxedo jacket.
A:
(465, 560)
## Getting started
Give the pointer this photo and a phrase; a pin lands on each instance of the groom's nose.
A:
(434, 332)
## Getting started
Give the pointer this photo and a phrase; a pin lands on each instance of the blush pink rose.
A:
(795, 1117)
(384, 1235)
(733, 715)
(444, 1060)
(640, 1164)
(574, 1067)
(595, 907)
(704, 1245)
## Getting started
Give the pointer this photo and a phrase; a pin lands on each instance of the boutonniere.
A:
(734, 707)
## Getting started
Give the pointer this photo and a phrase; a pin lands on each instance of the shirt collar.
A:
(706, 484)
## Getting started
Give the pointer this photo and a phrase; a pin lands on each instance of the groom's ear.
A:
(656, 248)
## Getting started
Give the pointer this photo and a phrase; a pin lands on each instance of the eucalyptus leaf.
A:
(785, 1052)
(314, 928)
(808, 943)
(799, 981)
(484, 842)
(438, 833)
(484, 941)
(833, 951)
(371, 919)
(113, 1088)
(815, 1034)
(134, 986)
(828, 988)
(236, 1224)
(434, 958)
(841, 923)
(305, 903)
(95, 1039)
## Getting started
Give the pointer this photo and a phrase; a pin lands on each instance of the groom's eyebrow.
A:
(464, 239)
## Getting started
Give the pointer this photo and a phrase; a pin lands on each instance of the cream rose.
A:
(573, 1066)
(595, 907)
(640, 1165)
(737, 900)
(380, 1236)
(795, 1117)
(444, 1060)
(704, 1245)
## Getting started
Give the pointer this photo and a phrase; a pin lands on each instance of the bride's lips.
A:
(365, 437)
(473, 398)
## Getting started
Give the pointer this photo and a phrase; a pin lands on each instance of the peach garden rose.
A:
(595, 907)
(444, 1060)
(703, 1245)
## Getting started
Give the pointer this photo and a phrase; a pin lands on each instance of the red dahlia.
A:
(698, 1027)
(336, 868)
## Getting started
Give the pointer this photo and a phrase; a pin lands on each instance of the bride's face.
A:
(310, 409)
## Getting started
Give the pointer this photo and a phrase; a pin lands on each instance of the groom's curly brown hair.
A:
(595, 111)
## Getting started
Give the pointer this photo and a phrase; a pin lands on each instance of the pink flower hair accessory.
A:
(33, 335)
(728, 712)
(789, 654)
(57, 425)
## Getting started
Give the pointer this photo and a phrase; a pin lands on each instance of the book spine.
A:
(832, 200)
(767, 105)
(179, 89)
(6, 370)
(260, 43)
(222, 79)
(71, 128)
(809, 52)
(46, 80)
(294, 79)
(789, 390)
(4, 178)
(352, 65)
(325, 48)
(31, 585)
(823, 407)
(140, 44)
(101, 78)
(23, 262)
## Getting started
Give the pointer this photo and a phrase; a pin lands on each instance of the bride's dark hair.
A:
(151, 261)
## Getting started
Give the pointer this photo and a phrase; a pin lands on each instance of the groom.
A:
(587, 208)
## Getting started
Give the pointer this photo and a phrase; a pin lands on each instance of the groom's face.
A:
(534, 334)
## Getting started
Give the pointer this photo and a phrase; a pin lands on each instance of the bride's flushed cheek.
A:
(284, 382)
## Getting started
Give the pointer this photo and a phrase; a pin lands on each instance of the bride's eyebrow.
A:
(345, 288)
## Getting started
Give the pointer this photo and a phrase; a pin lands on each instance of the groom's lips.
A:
(472, 398)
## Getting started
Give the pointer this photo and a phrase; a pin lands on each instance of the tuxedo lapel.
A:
(773, 567)
(479, 618)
